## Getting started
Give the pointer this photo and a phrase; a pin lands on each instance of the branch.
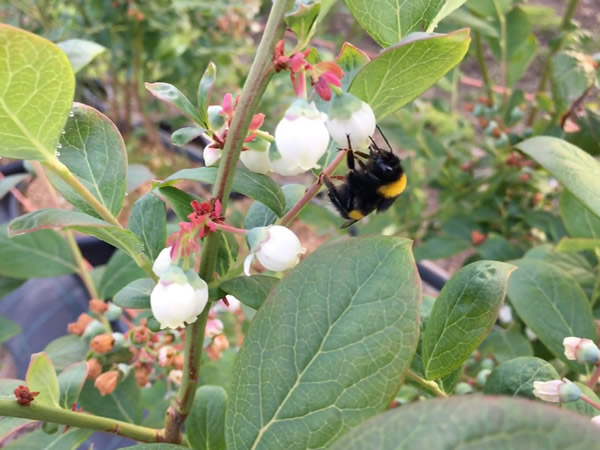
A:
(44, 413)
(256, 83)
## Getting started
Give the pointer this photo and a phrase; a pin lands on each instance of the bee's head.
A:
(386, 165)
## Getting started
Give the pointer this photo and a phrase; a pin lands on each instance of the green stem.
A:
(258, 77)
(479, 52)
(264, 135)
(503, 52)
(566, 22)
(11, 408)
(430, 386)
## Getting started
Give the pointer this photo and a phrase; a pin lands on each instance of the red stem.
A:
(229, 228)
(589, 401)
(594, 378)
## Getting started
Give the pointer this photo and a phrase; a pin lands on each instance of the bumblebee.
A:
(374, 185)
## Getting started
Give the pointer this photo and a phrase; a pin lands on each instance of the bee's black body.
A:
(374, 185)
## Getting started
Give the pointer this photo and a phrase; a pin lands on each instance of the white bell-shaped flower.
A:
(178, 297)
(256, 156)
(350, 116)
(162, 262)
(277, 248)
(301, 137)
(211, 155)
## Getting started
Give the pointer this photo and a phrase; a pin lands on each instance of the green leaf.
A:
(260, 215)
(572, 74)
(462, 18)
(119, 272)
(498, 248)
(41, 377)
(7, 285)
(441, 247)
(227, 253)
(349, 304)
(515, 377)
(448, 7)
(148, 220)
(552, 305)
(302, 21)
(122, 404)
(66, 350)
(351, 59)
(574, 168)
(504, 345)
(184, 135)
(463, 315)
(175, 98)
(251, 291)
(8, 329)
(70, 382)
(179, 200)
(38, 439)
(74, 220)
(11, 425)
(156, 447)
(205, 428)
(401, 73)
(204, 90)
(579, 221)
(9, 182)
(388, 21)
(474, 422)
(37, 86)
(94, 151)
(137, 175)
(581, 406)
(42, 254)
(587, 137)
(577, 244)
(254, 185)
(80, 52)
(7, 388)
(135, 295)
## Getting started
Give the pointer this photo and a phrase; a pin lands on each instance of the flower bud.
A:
(353, 118)
(178, 362)
(211, 155)
(107, 382)
(162, 262)
(80, 325)
(49, 427)
(178, 297)
(166, 356)
(113, 312)
(98, 306)
(140, 335)
(215, 117)
(256, 156)
(214, 327)
(582, 350)
(103, 343)
(216, 347)
(94, 329)
(555, 391)
(142, 375)
(301, 137)
(94, 369)
(482, 376)
(463, 388)
(175, 376)
(277, 248)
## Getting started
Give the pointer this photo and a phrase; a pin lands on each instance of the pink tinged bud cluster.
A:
(277, 248)
(556, 391)
(582, 350)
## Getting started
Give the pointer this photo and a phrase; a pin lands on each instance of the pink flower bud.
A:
(582, 350)
(556, 391)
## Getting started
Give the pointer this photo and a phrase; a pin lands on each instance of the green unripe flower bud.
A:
(482, 376)
(478, 110)
(463, 388)
(113, 312)
(94, 329)
(487, 363)
(119, 340)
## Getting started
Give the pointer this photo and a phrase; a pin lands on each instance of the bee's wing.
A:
(348, 223)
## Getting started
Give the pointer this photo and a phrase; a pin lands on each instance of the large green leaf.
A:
(41, 377)
(119, 272)
(329, 346)
(70, 382)
(515, 377)
(8, 329)
(38, 439)
(175, 98)
(388, 21)
(254, 185)
(122, 404)
(75, 220)
(573, 167)
(41, 254)
(401, 73)
(260, 215)
(93, 150)
(251, 291)
(579, 220)
(474, 422)
(66, 350)
(351, 59)
(572, 74)
(552, 304)
(148, 220)
(135, 295)
(463, 315)
(441, 247)
(504, 345)
(80, 52)
(7, 285)
(36, 92)
(205, 428)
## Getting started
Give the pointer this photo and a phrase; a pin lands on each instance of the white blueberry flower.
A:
(175, 376)
(162, 262)
(596, 420)
(211, 155)
(277, 248)
(301, 138)
(256, 157)
(582, 350)
(556, 391)
(505, 314)
(350, 116)
(180, 296)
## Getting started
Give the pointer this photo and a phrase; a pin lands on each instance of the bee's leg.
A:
(335, 197)
(361, 164)
(362, 154)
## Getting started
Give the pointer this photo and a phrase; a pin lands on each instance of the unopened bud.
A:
(94, 369)
(94, 329)
(178, 362)
(142, 375)
(107, 382)
(113, 312)
(166, 356)
(80, 325)
(103, 343)
(556, 391)
(140, 335)
(98, 306)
